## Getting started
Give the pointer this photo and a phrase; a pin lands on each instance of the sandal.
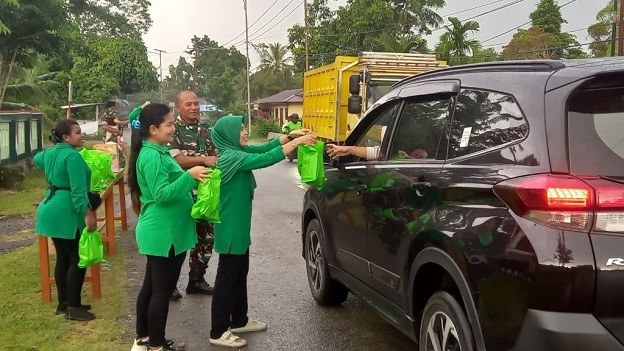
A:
(251, 326)
(228, 339)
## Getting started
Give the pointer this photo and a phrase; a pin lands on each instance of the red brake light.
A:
(565, 201)
(556, 200)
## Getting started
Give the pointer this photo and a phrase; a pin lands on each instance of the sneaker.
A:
(78, 314)
(175, 296)
(140, 345)
(62, 307)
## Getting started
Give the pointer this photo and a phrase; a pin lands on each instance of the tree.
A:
(127, 18)
(547, 18)
(4, 5)
(600, 32)
(35, 28)
(531, 44)
(390, 43)
(454, 43)
(274, 57)
(220, 89)
(417, 15)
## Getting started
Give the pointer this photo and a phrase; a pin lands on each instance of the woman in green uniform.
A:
(161, 194)
(233, 235)
(66, 198)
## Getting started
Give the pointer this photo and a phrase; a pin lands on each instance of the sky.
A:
(175, 22)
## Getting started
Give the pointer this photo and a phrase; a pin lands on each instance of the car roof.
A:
(572, 69)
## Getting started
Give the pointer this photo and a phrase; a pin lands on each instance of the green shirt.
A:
(233, 234)
(65, 212)
(166, 203)
(290, 126)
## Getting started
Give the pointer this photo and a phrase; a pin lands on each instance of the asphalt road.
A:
(278, 287)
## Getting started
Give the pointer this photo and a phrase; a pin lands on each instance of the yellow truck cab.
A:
(359, 81)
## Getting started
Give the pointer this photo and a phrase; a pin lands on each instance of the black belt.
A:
(53, 190)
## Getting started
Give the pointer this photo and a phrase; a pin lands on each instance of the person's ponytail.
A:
(151, 115)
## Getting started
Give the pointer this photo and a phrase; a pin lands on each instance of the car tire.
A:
(442, 309)
(325, 290)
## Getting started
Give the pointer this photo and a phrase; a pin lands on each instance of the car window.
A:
(596, 132)
(378, 133)
(419, 131)
(484, 120)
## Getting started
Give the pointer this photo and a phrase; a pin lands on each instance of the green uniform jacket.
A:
(65, 212)
(166, 203)
(233, 234)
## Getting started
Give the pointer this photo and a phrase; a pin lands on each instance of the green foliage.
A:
(547, 17)
(112, 18)
(455, 44)
(220, 89)
(600, 32)
(363, 25)
(264, 127)
(531, 44)
(4, 4)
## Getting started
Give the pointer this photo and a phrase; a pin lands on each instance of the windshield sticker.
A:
(465, 137)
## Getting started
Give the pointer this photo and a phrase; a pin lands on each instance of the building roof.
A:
(284, 97)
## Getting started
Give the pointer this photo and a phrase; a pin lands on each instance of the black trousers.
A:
(69, 277)
(229, 300)
(161, 276)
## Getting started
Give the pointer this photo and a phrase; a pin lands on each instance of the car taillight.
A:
(565, 201)
(555, 200)
(609, 210)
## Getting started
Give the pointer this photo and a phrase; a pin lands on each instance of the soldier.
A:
(114, 130)
(191, 147)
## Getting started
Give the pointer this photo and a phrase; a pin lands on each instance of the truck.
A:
(337, 94)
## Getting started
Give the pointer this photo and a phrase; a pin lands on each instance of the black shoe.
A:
(199, 287)
(175, 296)
(62, 307)
(78, 314)
(140, 345)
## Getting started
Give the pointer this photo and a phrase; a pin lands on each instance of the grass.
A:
(28, 323)
(19, 202)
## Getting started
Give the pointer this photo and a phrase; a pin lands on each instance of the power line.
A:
(274, 17)
(280, 21)
(256, 21)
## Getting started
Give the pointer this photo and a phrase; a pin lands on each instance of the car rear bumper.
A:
(564, 331)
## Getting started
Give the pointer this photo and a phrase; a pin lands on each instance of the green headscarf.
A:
(226, 137)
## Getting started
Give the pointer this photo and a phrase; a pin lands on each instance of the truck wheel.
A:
(325, 290)
(444, 325)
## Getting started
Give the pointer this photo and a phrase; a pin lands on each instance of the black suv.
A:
(491, 213)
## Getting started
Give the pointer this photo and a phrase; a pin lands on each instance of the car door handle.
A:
(420, 187)
(359, 189)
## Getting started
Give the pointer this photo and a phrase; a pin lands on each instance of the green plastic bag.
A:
(100, 165)
(310, 164)
(208, 197)
(90, 248)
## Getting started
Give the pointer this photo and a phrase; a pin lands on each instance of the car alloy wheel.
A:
(316, 263)
(442, 334)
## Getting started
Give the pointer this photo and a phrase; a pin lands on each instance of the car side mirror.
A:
(354, 84)
(355, 104)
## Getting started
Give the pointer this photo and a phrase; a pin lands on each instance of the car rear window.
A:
(596, 132)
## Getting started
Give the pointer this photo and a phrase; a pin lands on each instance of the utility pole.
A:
(621, 30)
(305, 33)
(248, 63)
(160, 52)
(614, 25)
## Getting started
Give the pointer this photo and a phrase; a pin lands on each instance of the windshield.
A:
(596, 132)
(375, 90)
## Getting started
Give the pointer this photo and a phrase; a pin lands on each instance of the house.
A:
(283, 104)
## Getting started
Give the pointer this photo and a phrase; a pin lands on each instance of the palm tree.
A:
(455, 43)
(417, 15)
(390, 43)
(274, 57)
(28, 87)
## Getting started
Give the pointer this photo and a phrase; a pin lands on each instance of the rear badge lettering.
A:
(615, 261)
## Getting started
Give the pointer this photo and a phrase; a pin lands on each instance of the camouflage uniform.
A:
(111, 119)
(194, 140)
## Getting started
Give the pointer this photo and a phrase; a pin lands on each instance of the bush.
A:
(263, 127)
